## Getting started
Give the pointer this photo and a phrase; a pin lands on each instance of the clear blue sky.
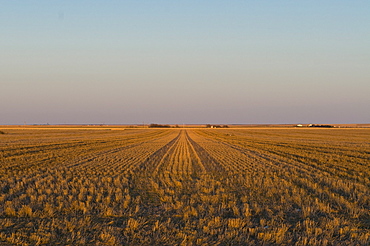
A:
(184, 62)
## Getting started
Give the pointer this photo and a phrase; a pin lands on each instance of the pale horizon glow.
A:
(177, 62)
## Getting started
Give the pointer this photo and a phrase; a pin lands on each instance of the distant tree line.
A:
(216, 126)
(159, 126)
(327, 126)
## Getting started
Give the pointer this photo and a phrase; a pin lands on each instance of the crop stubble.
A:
(185, 186)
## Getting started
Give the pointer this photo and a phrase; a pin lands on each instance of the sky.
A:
(184, 62)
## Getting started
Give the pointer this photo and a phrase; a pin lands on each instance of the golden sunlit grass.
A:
(185, 186)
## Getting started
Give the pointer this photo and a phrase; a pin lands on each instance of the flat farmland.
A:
(288, 186)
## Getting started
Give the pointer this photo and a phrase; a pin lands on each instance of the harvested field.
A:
(185, 186)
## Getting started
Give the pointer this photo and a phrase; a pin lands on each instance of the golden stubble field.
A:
(185, 186)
